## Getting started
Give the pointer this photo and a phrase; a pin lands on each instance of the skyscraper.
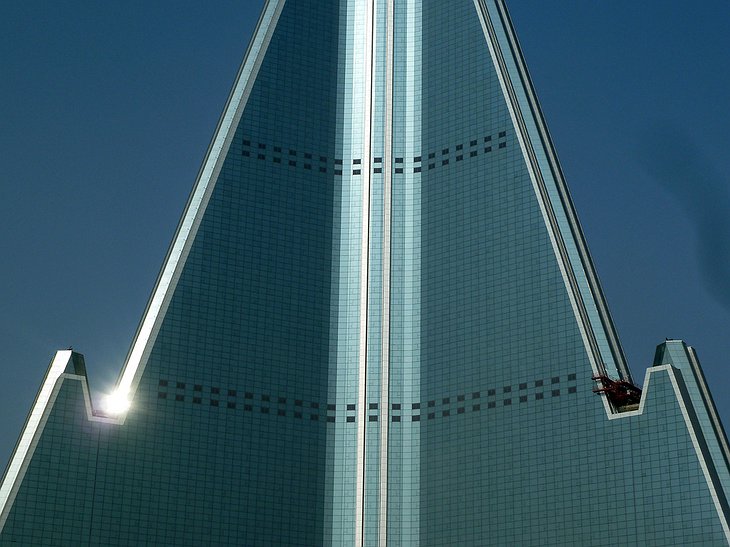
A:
(378, 322)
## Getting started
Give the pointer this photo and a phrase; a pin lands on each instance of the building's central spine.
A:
(368, 64)
(375, 275)
(385, 323)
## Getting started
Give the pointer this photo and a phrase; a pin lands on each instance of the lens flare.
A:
(116, 403)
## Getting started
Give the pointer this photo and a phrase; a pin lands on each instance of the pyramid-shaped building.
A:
(378, 324)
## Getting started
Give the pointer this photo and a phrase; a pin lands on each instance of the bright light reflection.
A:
(116, 403)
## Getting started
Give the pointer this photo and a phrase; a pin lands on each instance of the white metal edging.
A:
(592, 353)
(364, 271)
(385, 322)
(34, 425)
(207, 178)
(166, 282)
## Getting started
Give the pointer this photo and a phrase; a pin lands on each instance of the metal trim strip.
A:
(566, 200)
(538, 184)
(364, 271)
(385, 322)
(672, 372)
(164, 287)
(196, 206)
(35, 424)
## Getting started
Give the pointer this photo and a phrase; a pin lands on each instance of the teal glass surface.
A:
(385, 330)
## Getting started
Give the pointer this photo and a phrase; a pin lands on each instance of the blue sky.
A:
(106, 110)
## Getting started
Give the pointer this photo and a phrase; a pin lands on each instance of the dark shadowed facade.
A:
(378, 324)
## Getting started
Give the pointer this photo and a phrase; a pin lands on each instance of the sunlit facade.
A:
(378, 324)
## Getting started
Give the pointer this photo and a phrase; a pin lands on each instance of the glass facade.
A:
(378, 324)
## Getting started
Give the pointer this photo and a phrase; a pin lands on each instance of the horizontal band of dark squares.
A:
(289, 156)
(248, 401)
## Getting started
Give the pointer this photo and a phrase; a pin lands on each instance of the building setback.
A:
(378, 324)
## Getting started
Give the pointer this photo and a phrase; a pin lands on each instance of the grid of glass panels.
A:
(239, 432)
(244, 428)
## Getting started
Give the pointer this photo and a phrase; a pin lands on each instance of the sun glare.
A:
(116, 403)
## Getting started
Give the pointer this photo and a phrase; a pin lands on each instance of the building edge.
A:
(197, 201)
(684, 358)
(69, 365)
(690, 389)
(583, 267)
(65, 365)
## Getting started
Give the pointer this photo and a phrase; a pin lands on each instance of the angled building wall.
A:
(378, 324)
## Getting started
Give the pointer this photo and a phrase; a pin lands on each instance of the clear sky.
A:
(106, 110)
